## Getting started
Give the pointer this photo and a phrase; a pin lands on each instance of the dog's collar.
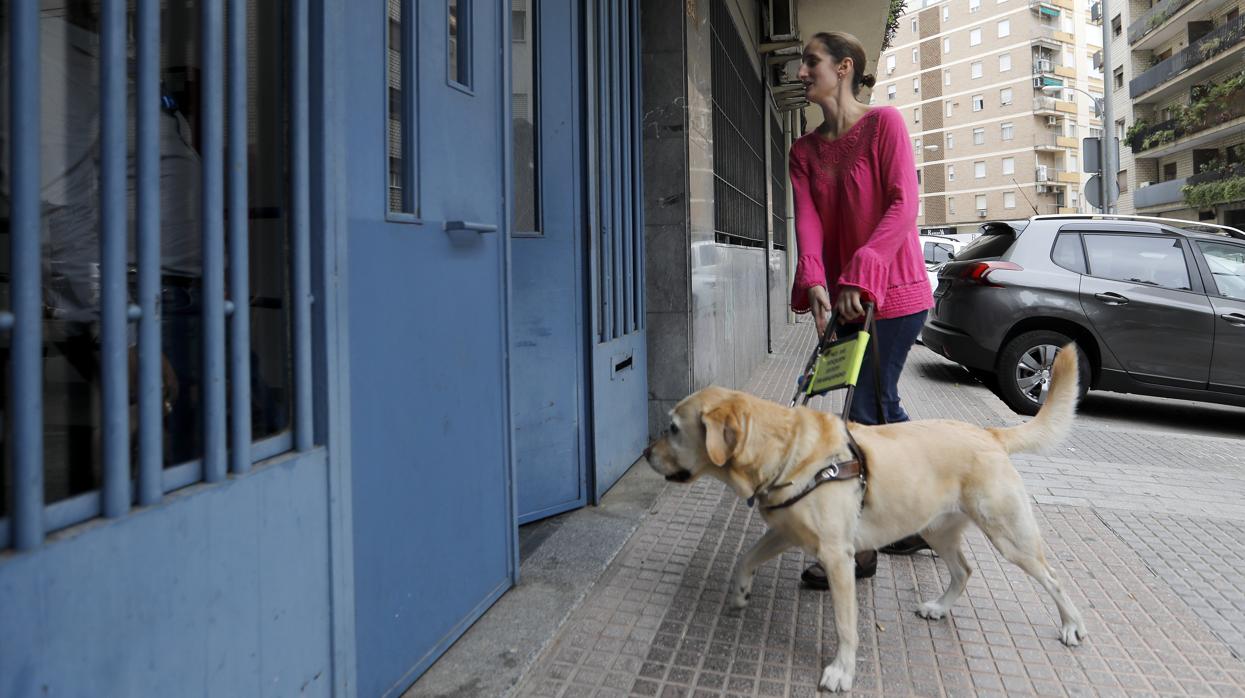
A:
(848, 469)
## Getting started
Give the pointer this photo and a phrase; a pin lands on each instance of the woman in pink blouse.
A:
(856, 198)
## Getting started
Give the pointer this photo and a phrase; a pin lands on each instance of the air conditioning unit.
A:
(1097, 60)
(1042, 65)
(981, 213)
(1052, 121)
(781, 19)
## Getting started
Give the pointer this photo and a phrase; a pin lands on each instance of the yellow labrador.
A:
(930, 476)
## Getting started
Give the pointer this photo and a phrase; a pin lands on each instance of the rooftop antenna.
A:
(1022, 193)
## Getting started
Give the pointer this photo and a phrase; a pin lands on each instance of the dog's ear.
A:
(724, 432)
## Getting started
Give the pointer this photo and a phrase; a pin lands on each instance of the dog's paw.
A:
(835, 678)
(931, 610)
(1072, 633)
(739, 597)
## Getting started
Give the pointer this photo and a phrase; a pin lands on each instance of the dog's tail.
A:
(1054, 419)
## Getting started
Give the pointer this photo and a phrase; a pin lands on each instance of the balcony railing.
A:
(1153, 18)
(1215, 42)
(1158, 194)
(1172, 130)
(1215, 175)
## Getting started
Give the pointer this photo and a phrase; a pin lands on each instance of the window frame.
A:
(1007, 131)
(979, 131)
(408, 125)
(979, 169)
(465, 49)
(1191, 268)
(976, 70)
(1004, 28)
(1007, 56)
(1208, 276)
(1006, 160)
(974, 33)
(979, 102)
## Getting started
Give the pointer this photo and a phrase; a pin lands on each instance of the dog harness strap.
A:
(853, 468)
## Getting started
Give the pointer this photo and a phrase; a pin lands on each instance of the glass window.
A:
(979, 102)
(951, 205)
(1068, 252)
(950, 173)
(916, 56)
(916, 115)
(1005, 96)
(975, 67)
(460, 42)
(974, 37)
(946, 77)
(974, 5)
(890, 92)
(946, 44)
(938, 252)
(947, 107)
(68, 145)
(920, 207)
(1009, 166)
(890, 63)
(1140, 259)
(1005, 62)
(525, 123)
(1009, 199)
(914, 26)
(980, 200)
(979, 136)
(979, 169)
(950, 141)
(916, 146)
(916, 85)
(946, 13)
(1227, 267)
(1005, 28)
(1007, 130)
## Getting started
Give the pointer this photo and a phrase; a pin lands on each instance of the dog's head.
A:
(709, 433)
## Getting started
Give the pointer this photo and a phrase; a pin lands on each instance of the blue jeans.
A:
(895, 337)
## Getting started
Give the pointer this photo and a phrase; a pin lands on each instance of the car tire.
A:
(1024, 365)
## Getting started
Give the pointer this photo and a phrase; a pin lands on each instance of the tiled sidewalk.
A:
(656, 623)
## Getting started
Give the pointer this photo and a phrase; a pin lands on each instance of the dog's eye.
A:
(674, 429)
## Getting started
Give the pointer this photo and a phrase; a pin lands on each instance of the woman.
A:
(855, 190)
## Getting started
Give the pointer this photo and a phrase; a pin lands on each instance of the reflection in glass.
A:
(70, 170)
(524, 118)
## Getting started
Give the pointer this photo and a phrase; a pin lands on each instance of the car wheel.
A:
(1024, 368)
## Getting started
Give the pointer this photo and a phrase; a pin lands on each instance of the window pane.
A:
(524, 114)
(1227, 266)
(460, 42)
(400, 129)
(1005, 62)
(1068, 252)
(1154, 261)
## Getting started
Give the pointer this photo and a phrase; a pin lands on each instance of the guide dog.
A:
(928, 476)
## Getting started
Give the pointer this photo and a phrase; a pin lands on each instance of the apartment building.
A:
(1178, 85)
(990, 142)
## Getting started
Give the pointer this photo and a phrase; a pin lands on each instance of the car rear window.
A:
(992, 243)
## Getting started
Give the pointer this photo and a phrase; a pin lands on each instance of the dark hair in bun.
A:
(840, 45)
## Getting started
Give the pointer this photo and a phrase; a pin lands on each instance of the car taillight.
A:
(979, 272)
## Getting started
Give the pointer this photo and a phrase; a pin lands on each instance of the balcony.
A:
(1045, 174)
(1237, 170)
(1051, 142)
(1154, 18)
(1160, 194)
(1049, 34)
(1044, 106)
(1200, 57)
(1175, 135)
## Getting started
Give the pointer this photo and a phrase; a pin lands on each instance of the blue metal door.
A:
(434, 534)
(616, 255)
(547, 342)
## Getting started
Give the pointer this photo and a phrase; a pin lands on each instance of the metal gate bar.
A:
(147, 116)
(616, 119)
(626, 237)
(27, 344)
(637, 175)
(239, 253)
(213, 114)
(300, 229)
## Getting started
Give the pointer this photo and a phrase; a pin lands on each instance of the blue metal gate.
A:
(619, 360)
(167, 491)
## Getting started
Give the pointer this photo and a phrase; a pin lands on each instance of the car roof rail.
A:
(1194, 226)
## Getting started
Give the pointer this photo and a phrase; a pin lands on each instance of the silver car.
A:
(1156, 307)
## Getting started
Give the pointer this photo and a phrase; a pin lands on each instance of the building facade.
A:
(990, 141)
(1178, 81)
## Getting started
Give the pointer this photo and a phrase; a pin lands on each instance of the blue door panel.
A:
(547, 278)
(220, 590)
(433, 500)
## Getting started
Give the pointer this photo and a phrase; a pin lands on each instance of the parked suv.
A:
(1156, 306)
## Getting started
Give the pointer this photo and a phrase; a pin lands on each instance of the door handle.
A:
(1235, 319)
(468, 226)
(1111, 298)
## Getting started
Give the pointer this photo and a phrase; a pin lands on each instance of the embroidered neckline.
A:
(832, 157)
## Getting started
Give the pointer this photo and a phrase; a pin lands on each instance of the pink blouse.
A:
(855, 215)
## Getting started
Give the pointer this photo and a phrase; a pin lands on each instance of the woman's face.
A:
(820, 73)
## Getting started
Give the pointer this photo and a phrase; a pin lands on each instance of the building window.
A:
(916, 56)
(980, 200)
(1117, 76)
(1169, 171)
(460, 41)
(979, 136)
(979, 169)
(1009, 199)
(946, 77)
(951, 205)
(914, 26)
(1005, 96)
(918, 177)
(950, 141)
(1009, 166)
(975, 68)
(916, 85)
(1073, 163)
(920, 208)
(974, 5)
(890, 64)
(947, 104)
(979, 102)
(974, 37)
(1122, 178)
(1116, 26)
(916, 146)
(950, 173)
(916, 115)
(946, 44)
(1005, 28)
(946, 13)
(1007, 131)
(1005, 62)
(890, 92)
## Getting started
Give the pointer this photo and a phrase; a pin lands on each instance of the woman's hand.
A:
(819, 304)
(847, 305)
